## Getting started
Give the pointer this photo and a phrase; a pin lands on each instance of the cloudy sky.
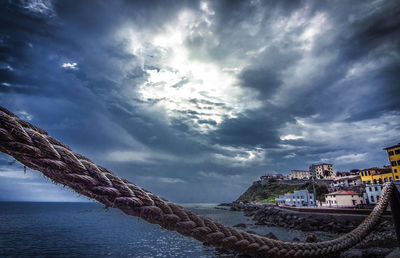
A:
(194, 100)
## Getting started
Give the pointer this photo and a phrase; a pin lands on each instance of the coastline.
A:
(379, 243)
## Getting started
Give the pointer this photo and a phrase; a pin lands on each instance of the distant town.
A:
(346, 189)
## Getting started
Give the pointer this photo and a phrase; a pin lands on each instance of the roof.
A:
(391, 147)
(321, 164)
(388, 167)
(343, 192)
(346, 177)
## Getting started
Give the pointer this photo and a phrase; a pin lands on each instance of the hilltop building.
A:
(346, 181)
(343, 199)
(376, 175)
(298, 198)
(267, 177)
(348, 173)
(394, 159)
(299, 174)
(322, 171)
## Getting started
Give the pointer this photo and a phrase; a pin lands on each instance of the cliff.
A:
(268, 192)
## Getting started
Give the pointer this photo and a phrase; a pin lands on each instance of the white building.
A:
(343, 199)
(299, 174)
(346, 181)
(373, 192)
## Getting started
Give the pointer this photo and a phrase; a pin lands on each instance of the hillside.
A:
(267, 193)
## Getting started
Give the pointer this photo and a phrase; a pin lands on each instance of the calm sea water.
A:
(87, 230)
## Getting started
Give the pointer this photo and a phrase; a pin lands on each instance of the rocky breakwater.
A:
(377, 244)
(272, 215)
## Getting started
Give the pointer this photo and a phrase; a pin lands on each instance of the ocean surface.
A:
(29, 229)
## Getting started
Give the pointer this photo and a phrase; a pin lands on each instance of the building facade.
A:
(322, 171)
(265, 179)
(394, 159)
(373, 192)
(343, 199)
(299, 174)
(377, 175)
(346, 181)
(298, 198)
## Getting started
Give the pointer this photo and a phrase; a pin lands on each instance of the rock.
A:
(225, 204)
(311, 238)
(376, 252)
(296, 239)
(271, 236)
(352, 253)
(240, 225)
(395, 253)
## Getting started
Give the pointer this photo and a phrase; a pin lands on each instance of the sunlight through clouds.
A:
(201, 93)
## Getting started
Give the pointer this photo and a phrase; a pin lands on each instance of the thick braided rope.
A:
(34, 148)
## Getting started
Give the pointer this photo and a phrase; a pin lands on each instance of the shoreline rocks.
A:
(378, 243)
(271, 215)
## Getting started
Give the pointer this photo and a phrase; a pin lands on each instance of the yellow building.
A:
(377, 175)
(394, 159)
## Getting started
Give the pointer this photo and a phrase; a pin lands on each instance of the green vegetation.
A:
(267, 193)
(321, 190)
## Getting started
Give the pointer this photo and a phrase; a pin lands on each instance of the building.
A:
(299, 174)
(377, 175)
(298, 198)
(348, 173)
(322, 171)
(394, 159)
(267, 177)
(343, 199)
(373, 192)
(346, 181)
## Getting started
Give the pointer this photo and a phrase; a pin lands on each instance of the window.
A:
(391, 179)
(391, 153)
(385, 179)
(376, 189)
(372, 198)
(395, 170)
(369, 172)
(375, 182)
(398, 162)
(397, 177)
(393, 163)
(397, 151)
(370, 189)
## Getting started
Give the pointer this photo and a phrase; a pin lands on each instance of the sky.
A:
(194, 100)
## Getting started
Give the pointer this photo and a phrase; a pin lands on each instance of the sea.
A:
(34, 229)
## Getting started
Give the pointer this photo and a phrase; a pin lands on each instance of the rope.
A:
(35, 149)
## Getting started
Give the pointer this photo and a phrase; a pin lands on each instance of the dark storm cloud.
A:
(317, 80)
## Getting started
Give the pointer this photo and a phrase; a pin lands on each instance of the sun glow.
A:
(200, 92)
